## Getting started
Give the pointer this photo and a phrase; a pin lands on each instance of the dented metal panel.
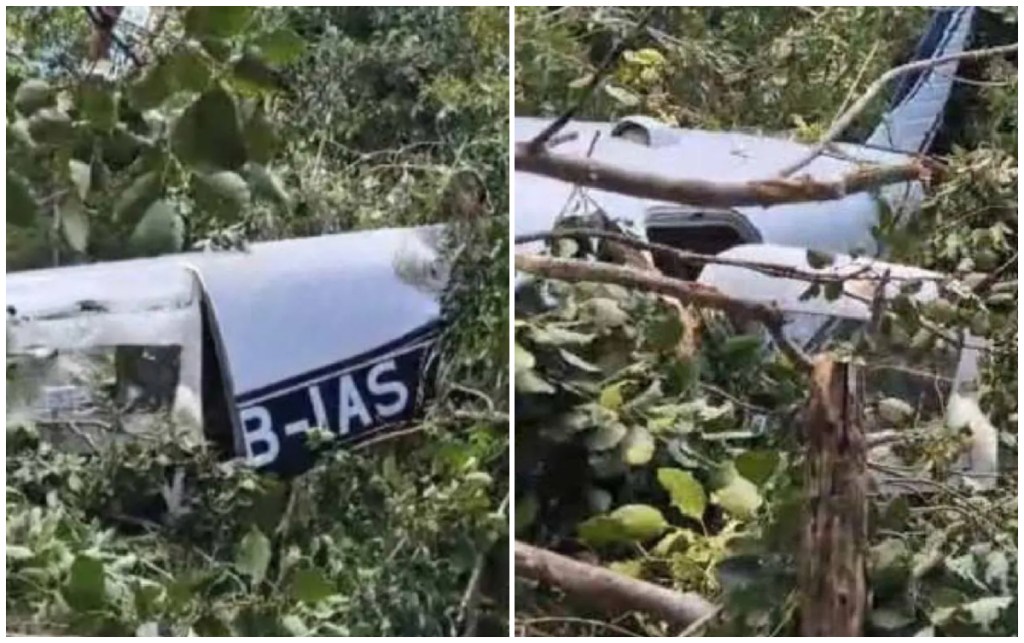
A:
(105, 352)
(332, 332)
(841, 225)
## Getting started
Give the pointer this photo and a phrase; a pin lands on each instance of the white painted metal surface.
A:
(330, 331)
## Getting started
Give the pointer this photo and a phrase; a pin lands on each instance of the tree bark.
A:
(605, 589)
(646, 185)
(833, 585)
(688, 292)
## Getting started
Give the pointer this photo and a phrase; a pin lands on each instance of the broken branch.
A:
(687, 292)
(697, 259)
(843, 122)
(540, 140)
(574, 270)
(609, 590)
(603, 176)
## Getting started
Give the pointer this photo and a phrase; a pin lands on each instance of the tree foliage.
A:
(687, 469)
(245, 123)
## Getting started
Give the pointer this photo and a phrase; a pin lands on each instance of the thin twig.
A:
(701, 623)
(856, 81)
(468, 616)
(990, 279)
(612, 627)
(696, 258)
(843, 122)
(387, 436)
(540, 140)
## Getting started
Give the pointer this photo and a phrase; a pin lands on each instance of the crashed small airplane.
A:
(254, 348)
(782, 234)
(909, 127)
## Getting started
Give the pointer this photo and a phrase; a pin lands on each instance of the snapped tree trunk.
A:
(833, 587)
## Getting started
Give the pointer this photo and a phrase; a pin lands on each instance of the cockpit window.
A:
(87, 396)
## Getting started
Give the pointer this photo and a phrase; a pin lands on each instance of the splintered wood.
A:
(833, 587)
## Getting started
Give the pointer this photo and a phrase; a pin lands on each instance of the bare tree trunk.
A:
(833, 587)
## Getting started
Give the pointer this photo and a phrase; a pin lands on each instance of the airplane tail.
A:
(919, 102)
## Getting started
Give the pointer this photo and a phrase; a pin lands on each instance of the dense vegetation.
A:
(635, 458)
(220, 125)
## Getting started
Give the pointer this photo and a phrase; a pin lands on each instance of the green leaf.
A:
(225, 192)
(216, 22)
(524, 359)
(97, 102)
(986, 611)
(555, 336)
(819, 260)
(895, 411)
(136, 199)
(581, 82)
(607, 313)
(530, 382)
(890, 562)
(646, 57)
(640, 522)
(189, 69)
(738, 496)
(757, 466)
(601, 530)
(17, 133)
(33, 95)
(255, 74)
(50, 126)
(606, 436)
(86, 588)
(208, 135)
(281, 46)
(681, 375)
(261, 140)
(622, 95)
(154, 87)
(664, 333)
(742, 348)
(17, 552)
(74, 223)
(578, 362)
(160, 231)
(638, 447)
(294, 625)
(527, 509)
(890, 618)
(81, 176)
(611, 397)
(311, 586)
(266, 184)
(941, 311)
(632, 568)
(22, 208)
(686, 492)
(252, 557)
